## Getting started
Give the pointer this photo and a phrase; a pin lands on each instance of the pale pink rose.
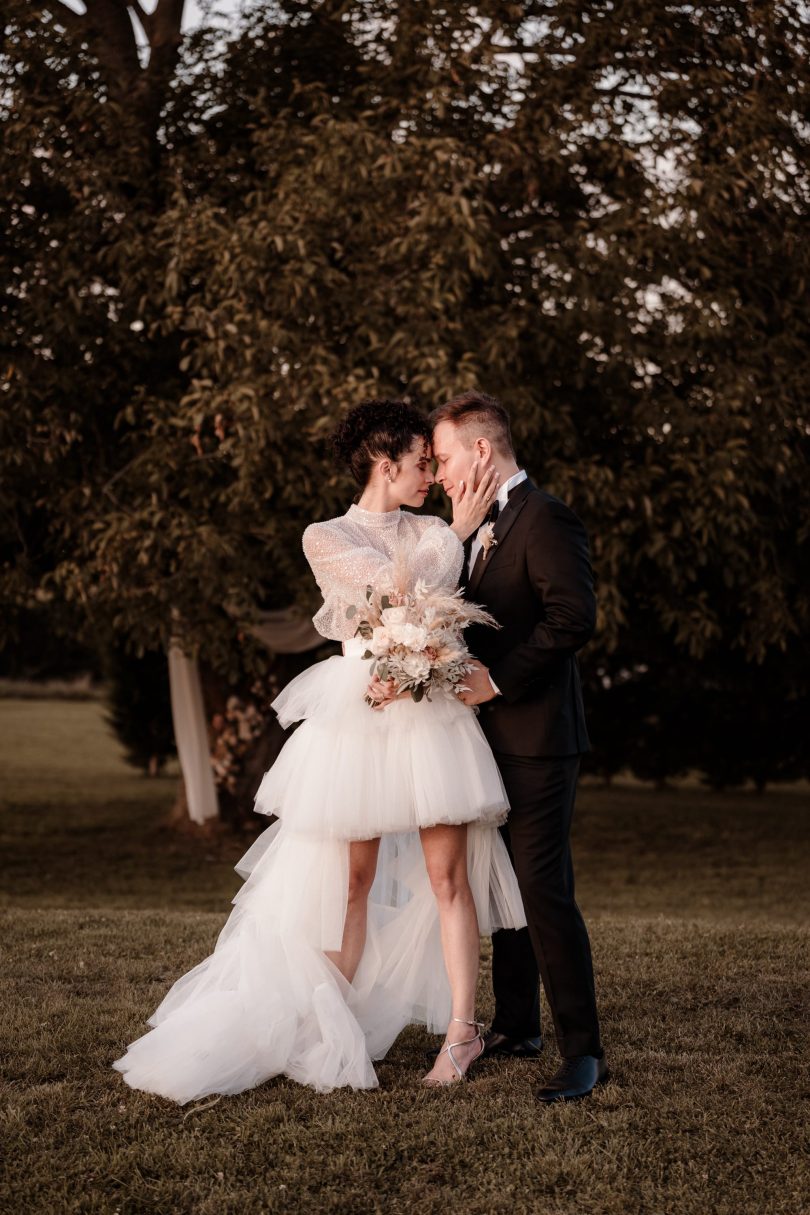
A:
(380, 641)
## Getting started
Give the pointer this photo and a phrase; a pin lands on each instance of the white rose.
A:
(416, 666)
(410, 635)
(394, 615)
(380, 641)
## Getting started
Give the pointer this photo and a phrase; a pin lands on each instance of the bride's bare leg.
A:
(445, 850)
(362, 867)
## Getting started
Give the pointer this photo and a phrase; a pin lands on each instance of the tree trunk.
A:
(107, 25)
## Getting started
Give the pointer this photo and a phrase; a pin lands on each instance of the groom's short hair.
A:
(477, 415)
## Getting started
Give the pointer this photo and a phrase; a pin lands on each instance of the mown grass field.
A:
(695, 902)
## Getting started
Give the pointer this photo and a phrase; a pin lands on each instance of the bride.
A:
(363, 903)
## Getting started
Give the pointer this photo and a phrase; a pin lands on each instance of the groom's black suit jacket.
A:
(538, 584)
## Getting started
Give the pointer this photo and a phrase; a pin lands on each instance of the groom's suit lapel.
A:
(503, 525)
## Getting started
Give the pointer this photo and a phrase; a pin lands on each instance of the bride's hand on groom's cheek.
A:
(473, 498)
(479, 688)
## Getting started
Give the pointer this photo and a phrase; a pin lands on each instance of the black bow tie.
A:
(493, 512)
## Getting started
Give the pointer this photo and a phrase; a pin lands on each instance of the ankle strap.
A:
(473, 1024)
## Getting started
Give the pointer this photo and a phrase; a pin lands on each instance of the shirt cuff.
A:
(495, 687)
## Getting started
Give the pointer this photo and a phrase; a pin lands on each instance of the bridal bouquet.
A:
(415, 637)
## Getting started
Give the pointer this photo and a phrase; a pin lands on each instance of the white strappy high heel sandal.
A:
(434, 1082)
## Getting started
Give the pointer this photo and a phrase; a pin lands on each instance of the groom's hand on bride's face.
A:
(479, 688)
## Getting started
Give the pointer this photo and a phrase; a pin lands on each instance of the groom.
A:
(529, 567)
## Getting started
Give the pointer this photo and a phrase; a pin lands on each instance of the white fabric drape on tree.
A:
(191, 736)
(283, 632)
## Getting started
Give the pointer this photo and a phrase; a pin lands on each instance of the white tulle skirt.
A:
(352, 773)
(268, 1001)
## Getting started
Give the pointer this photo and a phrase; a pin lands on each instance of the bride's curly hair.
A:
(375, 429)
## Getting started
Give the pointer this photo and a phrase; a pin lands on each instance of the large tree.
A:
(84, 181)
(590, 210)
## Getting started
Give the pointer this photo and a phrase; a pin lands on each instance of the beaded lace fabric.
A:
(359, 549)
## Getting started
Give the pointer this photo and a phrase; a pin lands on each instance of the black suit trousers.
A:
(555, 944)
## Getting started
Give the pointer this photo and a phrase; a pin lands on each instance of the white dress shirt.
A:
(502, 499)
(475, 549)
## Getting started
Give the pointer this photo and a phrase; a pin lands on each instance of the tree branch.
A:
(168, 18)
(164, 43)
(147, 20)
(498, 48)
(619, 92)
(62, 13)
(111, 25)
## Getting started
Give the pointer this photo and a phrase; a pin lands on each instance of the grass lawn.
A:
(695, 905)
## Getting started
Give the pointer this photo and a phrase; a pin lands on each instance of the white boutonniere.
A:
(487, 537)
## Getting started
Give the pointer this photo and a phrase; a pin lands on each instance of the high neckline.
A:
(373, 518)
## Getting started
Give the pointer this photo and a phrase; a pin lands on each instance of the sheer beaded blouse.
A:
(357, 550)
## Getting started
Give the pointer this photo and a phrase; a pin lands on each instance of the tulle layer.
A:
(352, 773)
(269, 1002)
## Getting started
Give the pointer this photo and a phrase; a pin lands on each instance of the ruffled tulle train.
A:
(269, 1002)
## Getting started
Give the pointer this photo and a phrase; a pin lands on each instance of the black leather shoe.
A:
(513, 1048)
(576, 1078)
